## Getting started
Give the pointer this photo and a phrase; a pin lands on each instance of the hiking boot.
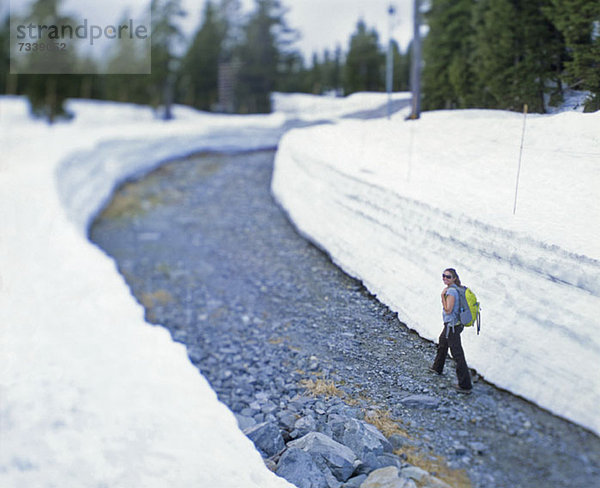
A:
(434, 371)
(465, 391)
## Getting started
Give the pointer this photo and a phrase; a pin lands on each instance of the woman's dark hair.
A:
(454, 274)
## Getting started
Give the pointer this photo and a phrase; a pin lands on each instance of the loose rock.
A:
(366, 442)
(339, 459)
(267, 438)
(387, 478)
(299, 468)
(260, 309)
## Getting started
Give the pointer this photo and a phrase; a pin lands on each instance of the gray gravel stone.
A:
(245, 422)
(387, 477)
(421, 401)
(258, 307)
(355, 482)
(287, 419)
(304, 425)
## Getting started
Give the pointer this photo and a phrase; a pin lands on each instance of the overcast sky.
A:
(322, 23)
(325, 23)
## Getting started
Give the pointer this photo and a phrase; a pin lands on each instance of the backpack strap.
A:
(461, 296)
(448, 326)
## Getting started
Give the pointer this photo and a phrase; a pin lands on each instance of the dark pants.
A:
(453, 342)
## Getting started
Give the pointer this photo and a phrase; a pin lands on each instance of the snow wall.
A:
(92, 395)
(380, 198)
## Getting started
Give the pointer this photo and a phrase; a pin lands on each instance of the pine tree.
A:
(541, 48)
(495, 52)
(119, 86)
(316, 76)
(200, 66)
(325, 73)
(490, 53)
(337, 70)
(448, 77)
(48, 90)
(517, 53)
(328, 73)
(293, 76)
(365, 62)
(332, 71)
(267, 37)
(165, 36)
(579, 22)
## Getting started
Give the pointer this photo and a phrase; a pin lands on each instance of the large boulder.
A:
(340, 459)
(267, 438)
(367, 443)
(300, 469)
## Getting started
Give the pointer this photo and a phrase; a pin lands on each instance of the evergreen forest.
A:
(476, 54)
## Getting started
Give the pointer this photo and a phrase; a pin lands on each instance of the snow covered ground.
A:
(91, 395)
(396, 202)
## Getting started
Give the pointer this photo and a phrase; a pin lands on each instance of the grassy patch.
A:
(164, 269)
(384, 423)
(158, 297)
(131, 202)
(209, 168)
(277, 340)
(436, 466)
(321, 387)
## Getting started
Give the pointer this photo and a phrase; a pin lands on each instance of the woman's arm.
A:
(447, 301)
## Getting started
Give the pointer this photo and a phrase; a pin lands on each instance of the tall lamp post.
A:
(389, 79)
(415, 75)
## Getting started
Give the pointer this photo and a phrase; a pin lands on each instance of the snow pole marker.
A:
(520, 156)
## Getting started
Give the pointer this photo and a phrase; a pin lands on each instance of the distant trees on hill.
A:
(232, 63)
(477, 53)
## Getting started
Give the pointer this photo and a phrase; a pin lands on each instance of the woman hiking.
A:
(450, 336)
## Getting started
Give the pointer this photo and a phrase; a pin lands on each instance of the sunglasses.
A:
(448, 277)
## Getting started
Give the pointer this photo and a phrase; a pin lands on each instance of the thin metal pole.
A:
(520, 156)
(416, 62)
(390, 63)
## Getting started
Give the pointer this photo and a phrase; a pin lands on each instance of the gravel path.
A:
(207, 251)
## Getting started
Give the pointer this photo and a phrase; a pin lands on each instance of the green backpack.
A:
(469, 307)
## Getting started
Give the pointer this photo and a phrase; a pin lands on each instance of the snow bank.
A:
(91, 395)
(395, 202)
(308, 108)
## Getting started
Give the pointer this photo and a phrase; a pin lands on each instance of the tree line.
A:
(254, 53)
(507, 53)
(477, 53)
